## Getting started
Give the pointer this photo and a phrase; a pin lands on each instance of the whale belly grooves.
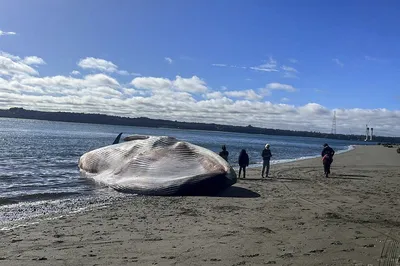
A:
(153, 165)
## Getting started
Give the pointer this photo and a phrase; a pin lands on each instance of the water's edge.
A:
(283, 161)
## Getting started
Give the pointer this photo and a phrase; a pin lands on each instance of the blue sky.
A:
(338, 54)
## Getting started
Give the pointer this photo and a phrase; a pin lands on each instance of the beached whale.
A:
(154, 165)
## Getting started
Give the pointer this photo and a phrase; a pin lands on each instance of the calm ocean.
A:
(38, 160)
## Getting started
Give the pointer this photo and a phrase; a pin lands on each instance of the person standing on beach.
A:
(224, 153)
(266, 155)
(243, 162)
(327, 158)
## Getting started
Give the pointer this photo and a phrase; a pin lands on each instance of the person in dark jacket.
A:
(266, 155)
(243, 162)
(224, 153)
(327, 158)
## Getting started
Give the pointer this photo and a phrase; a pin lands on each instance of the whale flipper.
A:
(116, 141)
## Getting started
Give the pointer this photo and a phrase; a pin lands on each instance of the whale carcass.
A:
(158, 165)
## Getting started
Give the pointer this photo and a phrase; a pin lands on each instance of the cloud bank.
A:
(94, 90)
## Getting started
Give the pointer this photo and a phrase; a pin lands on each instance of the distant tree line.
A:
(159, 123)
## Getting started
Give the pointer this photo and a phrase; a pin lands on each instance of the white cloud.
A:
(285, 99)
(231, 66)
(136, 74)
(319, 91)
(269, 66)
(91, 63)
(123, 72)
(338, 62)
(4, 33)
(220, 65)
(75, 73)
(375, 59)
(214, 95)
(290, 72)
(235, 66)
(12, 65)
(243, 94)
(33, 60)
(57, 84)
(169, 60)
(101, 79)
(289, 75)
(280, 86)
(314, 109)
(12, 57)
(289, 69)
(192, 85)
(152, 83)
(162, 98)
(293, 60)
(246, 94)
(97, 64)
(264, 68)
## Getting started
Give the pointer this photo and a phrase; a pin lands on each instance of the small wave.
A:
(36, 197)
(259, 164)
(349, 148)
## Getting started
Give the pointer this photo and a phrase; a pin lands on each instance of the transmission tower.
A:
(333, 131)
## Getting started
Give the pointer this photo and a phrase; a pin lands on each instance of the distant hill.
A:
(147, 122)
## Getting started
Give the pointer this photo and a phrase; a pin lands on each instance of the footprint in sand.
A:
(317, 251)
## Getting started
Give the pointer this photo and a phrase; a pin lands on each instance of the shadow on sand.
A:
(274, 179)
(348, 177)
(237, 192)
(230, 192)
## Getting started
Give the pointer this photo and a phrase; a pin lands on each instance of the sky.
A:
(277, 64)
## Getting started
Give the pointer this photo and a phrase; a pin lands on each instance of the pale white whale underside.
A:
(154, 165)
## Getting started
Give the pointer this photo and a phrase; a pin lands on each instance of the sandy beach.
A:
(296, 217)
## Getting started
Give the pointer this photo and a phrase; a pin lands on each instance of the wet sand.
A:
(296, 217)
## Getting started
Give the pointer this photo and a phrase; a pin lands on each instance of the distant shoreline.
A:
(20, 113)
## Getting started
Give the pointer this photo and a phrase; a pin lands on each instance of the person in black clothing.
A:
(266, 155)
(243, 162)
(224, 153)
(327, 158)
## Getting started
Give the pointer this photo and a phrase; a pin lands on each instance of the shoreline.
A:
(296, 217)
(285, 161)
(320, 135)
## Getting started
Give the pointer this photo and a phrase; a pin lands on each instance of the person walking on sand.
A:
(327, 158)
(224, 153)
(266, 155)
(243, 162)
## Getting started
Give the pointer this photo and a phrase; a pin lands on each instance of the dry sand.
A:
(298, 217)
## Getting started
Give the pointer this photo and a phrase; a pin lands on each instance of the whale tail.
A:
(116, 141)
